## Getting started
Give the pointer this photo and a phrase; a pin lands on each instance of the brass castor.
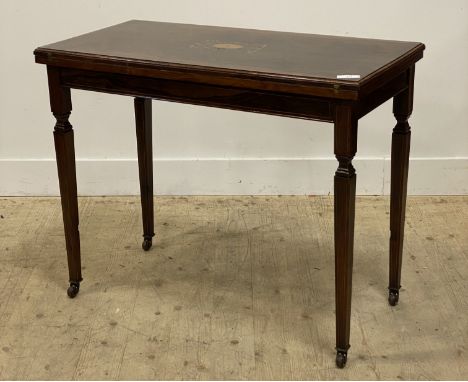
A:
(73, 289)
(341, 358)
(147, 243)
(393, 296)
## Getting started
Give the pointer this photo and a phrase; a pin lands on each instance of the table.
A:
(316, 77)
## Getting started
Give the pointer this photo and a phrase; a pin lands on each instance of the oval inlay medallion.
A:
(227, 46)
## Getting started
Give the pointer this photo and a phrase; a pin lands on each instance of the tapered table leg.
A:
(143, 118)
(401, 137)
(60, 100)
(345, 196)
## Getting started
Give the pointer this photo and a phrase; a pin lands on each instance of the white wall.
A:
(209, 151)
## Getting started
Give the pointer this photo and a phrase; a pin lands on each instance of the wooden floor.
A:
(234, 288)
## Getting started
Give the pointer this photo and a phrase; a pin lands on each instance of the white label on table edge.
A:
(348, 76)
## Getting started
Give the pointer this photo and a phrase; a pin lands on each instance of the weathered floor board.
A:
(233, 288)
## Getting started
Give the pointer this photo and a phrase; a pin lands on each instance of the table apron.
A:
(275, 103)
(296, 106)
(382, 94)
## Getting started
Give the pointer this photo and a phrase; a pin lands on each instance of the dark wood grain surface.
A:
(136, 47)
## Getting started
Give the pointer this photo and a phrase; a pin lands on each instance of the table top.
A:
(135, 46)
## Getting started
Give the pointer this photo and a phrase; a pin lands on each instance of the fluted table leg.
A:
(60, 101)
(401, 137)
(143, 118)
(345, 196)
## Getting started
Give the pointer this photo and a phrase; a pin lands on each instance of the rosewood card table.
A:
(316, 77)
